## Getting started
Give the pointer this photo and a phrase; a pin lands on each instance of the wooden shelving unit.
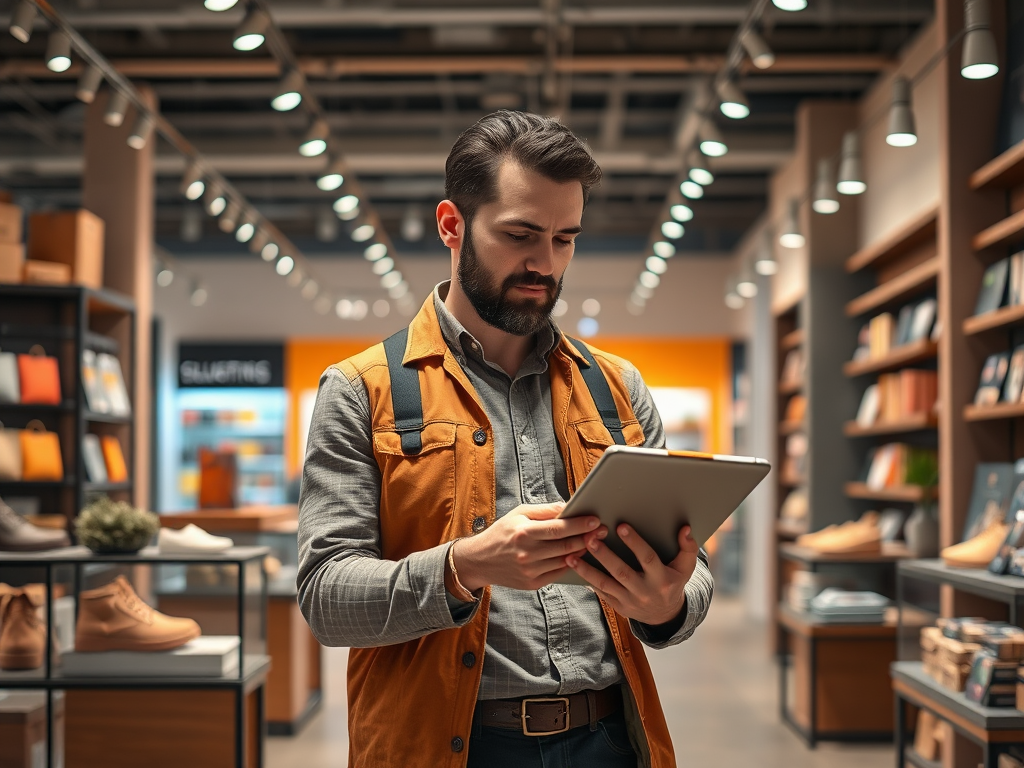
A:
(900, 357)
(914, 423)
(792, 340)
(790, 427)
(913, 282)
(1000, 319)
(992, 412)
(790, 387)
(911, 236)
(1009, 229)
(909, 493)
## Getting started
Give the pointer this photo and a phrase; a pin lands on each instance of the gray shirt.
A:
(551, 641)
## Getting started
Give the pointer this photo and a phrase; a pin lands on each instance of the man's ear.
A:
(450, 224)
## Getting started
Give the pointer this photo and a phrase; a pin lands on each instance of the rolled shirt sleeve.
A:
(348, 594)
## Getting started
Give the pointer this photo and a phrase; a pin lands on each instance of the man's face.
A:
(516, 250)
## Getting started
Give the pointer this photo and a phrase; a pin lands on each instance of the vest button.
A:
(479, 437)
(457, 744)
(469, 659)
(479, 523)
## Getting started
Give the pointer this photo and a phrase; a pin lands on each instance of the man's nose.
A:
(542, 259)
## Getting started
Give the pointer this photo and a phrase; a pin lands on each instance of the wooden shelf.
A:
(913, 423)
(906, 238)
(908, 493)
(1009, 229)
(990, 412)
(890, 552)
(790, 387)
(1004, 317)
(913, 281)
(908, 354)
(789, 427)
(809, 625)
(1004, 171)
(792, 340)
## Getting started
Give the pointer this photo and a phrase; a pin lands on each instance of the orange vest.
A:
(411, 704)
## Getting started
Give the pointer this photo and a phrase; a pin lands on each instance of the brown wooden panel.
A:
(215, 615)
(896, 244)
(315, 653)
(854, 690)
(230, 520)
(801, 648)
(913, 257)
(288, 681)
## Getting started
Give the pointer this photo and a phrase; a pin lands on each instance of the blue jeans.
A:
(607, 747)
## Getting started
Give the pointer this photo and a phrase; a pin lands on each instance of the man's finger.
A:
(540, 511)
(620, 571)
(686, 561)
(648, 558)
(599, 580)
(561, 529)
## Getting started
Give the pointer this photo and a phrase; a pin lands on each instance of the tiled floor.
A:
(719, 692)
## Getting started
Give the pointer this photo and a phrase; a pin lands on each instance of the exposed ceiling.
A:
(400, 80)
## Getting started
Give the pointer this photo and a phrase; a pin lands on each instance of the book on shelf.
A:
(898, 396)
(1014, 292)
(898, 464)
(870, 406)
(990, 496)
(883, 333)
(924, 320)
(112, 382)
(882, 327)
(993, 288)
(993, 376)
(113, 457)
(793, 368)
(1014, 377)
(796, 409)
(95, 397)
(92, 455)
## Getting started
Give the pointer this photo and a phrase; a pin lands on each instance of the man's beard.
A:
(493, 304)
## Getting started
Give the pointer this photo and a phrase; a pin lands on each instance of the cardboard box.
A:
(46, 273)
(74, 238)
(10, 223)
(12, 262)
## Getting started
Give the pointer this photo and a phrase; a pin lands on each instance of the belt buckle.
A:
(546, 700)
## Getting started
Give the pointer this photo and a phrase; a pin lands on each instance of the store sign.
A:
(230, 365)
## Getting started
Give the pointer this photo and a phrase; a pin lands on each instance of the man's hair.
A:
(536, 143)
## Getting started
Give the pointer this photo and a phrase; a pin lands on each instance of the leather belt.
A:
(547, 715)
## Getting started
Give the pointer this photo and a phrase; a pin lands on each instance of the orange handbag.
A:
(40, 454)
(40, 378)
(113, 457)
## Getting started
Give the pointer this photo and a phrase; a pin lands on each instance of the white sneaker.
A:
(189, 539)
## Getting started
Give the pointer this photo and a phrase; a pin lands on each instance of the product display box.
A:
(12, 262)
(208, 656)
(46, 273)
(74, 238)
(10, 223)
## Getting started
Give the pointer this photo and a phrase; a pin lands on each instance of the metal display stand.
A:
(253, 663)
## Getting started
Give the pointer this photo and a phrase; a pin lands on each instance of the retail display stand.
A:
(66, 321)
(221, 726)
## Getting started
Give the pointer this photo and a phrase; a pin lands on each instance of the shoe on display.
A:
(22, 634)
(114, 618)
(979, 551)
(191, 539)
(19, 535)
(861, 536)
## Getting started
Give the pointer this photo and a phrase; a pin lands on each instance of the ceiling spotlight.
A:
(343, 309)
(979, 59)
(289, 92)
(219, 5)
(691, 189)
(681, 212)
(733, 300)
(391, 280)
(699, 168)
(672, 230)
(191, 224)
(269, 252)
(141, 132)
(851, 178)
(664, 249)
(757, 49)
(412, 224)
(746, 285)
(315, 141)
(560, 308)
(591, 307)
(116, 108)
(381, 308)
(251, 33)
(649, 280)
(824, 191)
(790, 5)
(347, 207)
(229, 219)
(284, 265)
(213, 199)
(192, 186)
(164, 276)
(21, 21)
(791, 236)
(399, 291)
(332, 177)
(383, 266)
(375, 252)
(734, 103)
(246, 231)
(326, 226)
(198, 295)
(88, 83)
(363, 232)
(765, 263)
(587, 327)
(712, 143)
(58, 52)
(656, 264)
(901, 117)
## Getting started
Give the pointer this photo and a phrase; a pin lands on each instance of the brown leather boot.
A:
(113, 618)
(22, 634)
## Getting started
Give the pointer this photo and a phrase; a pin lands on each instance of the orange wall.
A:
(663, 362)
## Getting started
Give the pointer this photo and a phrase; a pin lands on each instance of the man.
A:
(436, 468)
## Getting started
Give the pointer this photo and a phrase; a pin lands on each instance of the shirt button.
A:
(479, 523)
(469, 659)
(457, 744)
(474, 345)
(524, 438)
(479, 437)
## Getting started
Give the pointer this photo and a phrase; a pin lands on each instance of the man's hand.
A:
(653, 596)
(525, 549)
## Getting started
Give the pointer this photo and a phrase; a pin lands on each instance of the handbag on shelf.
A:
(40, 378)
(10, 392)
(10, 454)
(40, 454)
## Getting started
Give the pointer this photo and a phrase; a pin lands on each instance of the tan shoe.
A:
(22, 635)
(850, 538)
(113, 618)
(808, 539)
(979, 551)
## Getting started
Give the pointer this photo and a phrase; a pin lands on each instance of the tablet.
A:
(657, 492)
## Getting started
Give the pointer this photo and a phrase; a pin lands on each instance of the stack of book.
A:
(841, 607)
(1002, 285)
(1002, 379)
(885, 332)
(979, 657)
(897, 464)
(793, 369)
(898, 396)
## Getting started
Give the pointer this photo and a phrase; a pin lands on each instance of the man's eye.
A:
(518, 238)
(564, 242)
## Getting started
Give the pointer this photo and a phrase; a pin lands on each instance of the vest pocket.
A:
(595, 439)
(438, 434)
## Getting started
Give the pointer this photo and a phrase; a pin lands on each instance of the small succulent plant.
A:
(110, 527)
